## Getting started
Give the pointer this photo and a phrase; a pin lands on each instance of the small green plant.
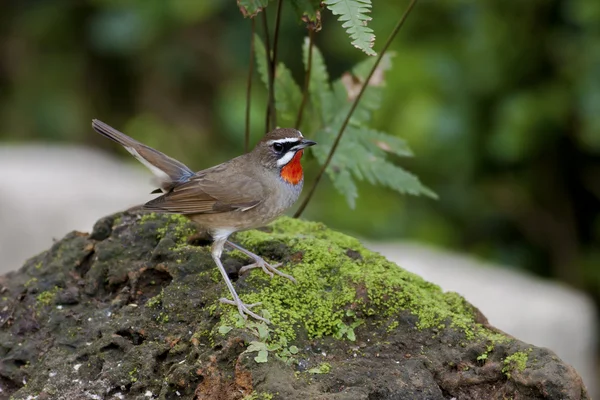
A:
(348, 330)
(323, 368)
(483, 357)
(155, 301)
(265, 343)
(515, 362)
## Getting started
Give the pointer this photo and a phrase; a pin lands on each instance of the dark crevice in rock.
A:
(109, 347)
(8, 386)
(151, 281)
(85, 264)
(136, 338)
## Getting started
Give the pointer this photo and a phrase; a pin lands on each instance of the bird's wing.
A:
(211, 191)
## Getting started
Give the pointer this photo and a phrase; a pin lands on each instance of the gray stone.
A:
(544, 313)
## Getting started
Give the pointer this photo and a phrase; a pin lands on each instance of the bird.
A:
(246, 192)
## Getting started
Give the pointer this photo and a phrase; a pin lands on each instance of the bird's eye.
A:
(278, 147)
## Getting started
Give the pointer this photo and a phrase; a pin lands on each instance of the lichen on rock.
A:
(132, 310)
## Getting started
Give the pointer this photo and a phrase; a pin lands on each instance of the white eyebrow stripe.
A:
(284, 140)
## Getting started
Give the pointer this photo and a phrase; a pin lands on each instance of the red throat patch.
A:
(292, 171)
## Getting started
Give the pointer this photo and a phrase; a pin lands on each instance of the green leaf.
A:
(263, 331)
(250, 8)
(354, 15)
(287, 92)
(376, 141)
(273, 347)
(319, 87)
(224, 329)
(288, 96)
(262, 356)
(261, 59)
(256, 346)
(363, 152)
(324, 368)
(293, 349)
(378, 171)
(359, 158)
(351, 335)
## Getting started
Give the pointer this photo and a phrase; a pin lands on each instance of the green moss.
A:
(133, 375)
(155, 301)
(30, 282)
(47, 298)
(515, 362)
(163, 317)
(177, 226)
(330, 283)
(484, 355)
(392, 326)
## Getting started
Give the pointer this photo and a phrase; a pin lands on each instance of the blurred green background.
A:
(499, 99)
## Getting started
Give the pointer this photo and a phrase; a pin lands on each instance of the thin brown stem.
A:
(311, 33)
(270, 73)
(274, 63)
(352, 108)
(249, 88)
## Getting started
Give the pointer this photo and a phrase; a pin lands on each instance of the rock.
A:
(131, 311)
(79, 185)
(540, 312)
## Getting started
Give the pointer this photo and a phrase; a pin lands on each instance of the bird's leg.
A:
(244, 309)
(259, 262)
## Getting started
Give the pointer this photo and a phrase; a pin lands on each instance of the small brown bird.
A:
(246, 192)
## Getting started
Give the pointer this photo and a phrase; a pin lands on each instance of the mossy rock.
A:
(131, 311)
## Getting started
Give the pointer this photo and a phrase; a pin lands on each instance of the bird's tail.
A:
(167, 170)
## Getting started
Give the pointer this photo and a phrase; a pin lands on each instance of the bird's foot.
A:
(259, 262)
(267, 268)
(244, 309)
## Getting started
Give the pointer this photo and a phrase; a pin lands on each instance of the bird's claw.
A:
(244, 309)
(267, 268)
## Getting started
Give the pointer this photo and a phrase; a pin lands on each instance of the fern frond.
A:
(377, 170)
(319, 87)
(288, 96)
(380, 142)
(364, 152)
(365, 162)
(354, 15)
(260, 53)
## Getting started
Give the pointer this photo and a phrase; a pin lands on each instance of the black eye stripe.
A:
(286, 146)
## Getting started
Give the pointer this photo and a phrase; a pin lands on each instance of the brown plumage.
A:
(243, 193)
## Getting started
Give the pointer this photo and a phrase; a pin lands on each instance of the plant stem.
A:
(249, 88)
(356, 100)
(311, 32)
(270, 73)
(274, 64)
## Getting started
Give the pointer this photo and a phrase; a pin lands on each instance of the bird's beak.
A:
(304, 143)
